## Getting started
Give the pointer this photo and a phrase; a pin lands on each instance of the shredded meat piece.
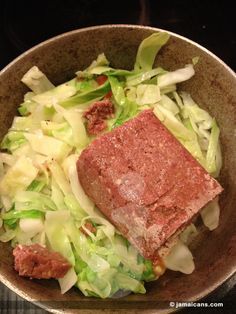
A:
(89, 226)
(96, 115)
(36, 261)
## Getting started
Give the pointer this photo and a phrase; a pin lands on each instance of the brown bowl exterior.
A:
(213, 87)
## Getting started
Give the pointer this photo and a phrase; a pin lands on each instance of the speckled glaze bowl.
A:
(213, 87)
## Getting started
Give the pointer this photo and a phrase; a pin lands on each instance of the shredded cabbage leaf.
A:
(37, 81)
(148, 50)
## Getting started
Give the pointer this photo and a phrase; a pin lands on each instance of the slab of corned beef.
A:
(145, 182)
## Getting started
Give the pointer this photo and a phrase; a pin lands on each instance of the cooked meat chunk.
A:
(89, 226)
(96, 115)
(36, 261)
(145, 182)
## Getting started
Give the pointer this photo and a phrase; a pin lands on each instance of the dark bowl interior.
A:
(213, 87)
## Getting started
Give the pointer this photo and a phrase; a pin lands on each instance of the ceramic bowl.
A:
(213, 87)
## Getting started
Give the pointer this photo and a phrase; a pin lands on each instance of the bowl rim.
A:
(124, 26)
(226, 277)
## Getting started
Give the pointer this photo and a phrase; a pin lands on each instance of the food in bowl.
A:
(55, 181)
